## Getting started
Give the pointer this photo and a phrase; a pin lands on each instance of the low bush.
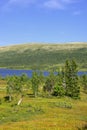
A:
(62, 105)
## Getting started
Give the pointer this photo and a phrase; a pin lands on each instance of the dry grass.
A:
(43, 46)
(53, 118)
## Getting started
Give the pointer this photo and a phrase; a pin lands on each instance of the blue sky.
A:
(51, 21)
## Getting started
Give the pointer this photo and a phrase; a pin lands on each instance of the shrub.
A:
(63, 105)
(58, 91)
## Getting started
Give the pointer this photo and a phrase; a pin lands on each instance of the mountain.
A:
(42, 56)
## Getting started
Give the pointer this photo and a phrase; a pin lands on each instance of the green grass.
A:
(13, 113)
(42, 56)
(44, 114)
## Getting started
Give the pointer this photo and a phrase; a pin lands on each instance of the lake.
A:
(10, 72)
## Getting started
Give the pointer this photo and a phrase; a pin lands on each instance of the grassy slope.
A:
(42, 55)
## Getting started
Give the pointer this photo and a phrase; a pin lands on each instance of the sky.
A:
(47, 21)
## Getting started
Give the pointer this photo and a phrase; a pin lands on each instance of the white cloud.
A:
(58, 4)
(12, 3)
(70, 1)
(53, 4)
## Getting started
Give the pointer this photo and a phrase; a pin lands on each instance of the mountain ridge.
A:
(36, 55)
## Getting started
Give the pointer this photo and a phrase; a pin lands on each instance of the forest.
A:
(43, 56)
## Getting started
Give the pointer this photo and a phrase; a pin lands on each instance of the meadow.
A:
(43, 113)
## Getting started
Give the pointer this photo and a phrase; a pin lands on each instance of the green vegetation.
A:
(71, 79)
(84, 83)
(35, 83)
(42, 56)
(44, 103)
(44, 113)
(63, 84)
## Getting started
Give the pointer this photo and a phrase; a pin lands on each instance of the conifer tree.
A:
(59, 88)
(71, 79)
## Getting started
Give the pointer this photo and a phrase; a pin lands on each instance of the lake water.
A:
(10, 72)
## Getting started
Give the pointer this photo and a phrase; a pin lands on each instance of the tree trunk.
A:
(19, 102)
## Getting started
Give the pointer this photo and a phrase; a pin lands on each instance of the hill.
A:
(42, 56)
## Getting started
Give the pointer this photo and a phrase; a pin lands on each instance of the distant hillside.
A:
(41, 56)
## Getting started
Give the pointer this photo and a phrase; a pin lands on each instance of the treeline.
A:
(64, 83)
